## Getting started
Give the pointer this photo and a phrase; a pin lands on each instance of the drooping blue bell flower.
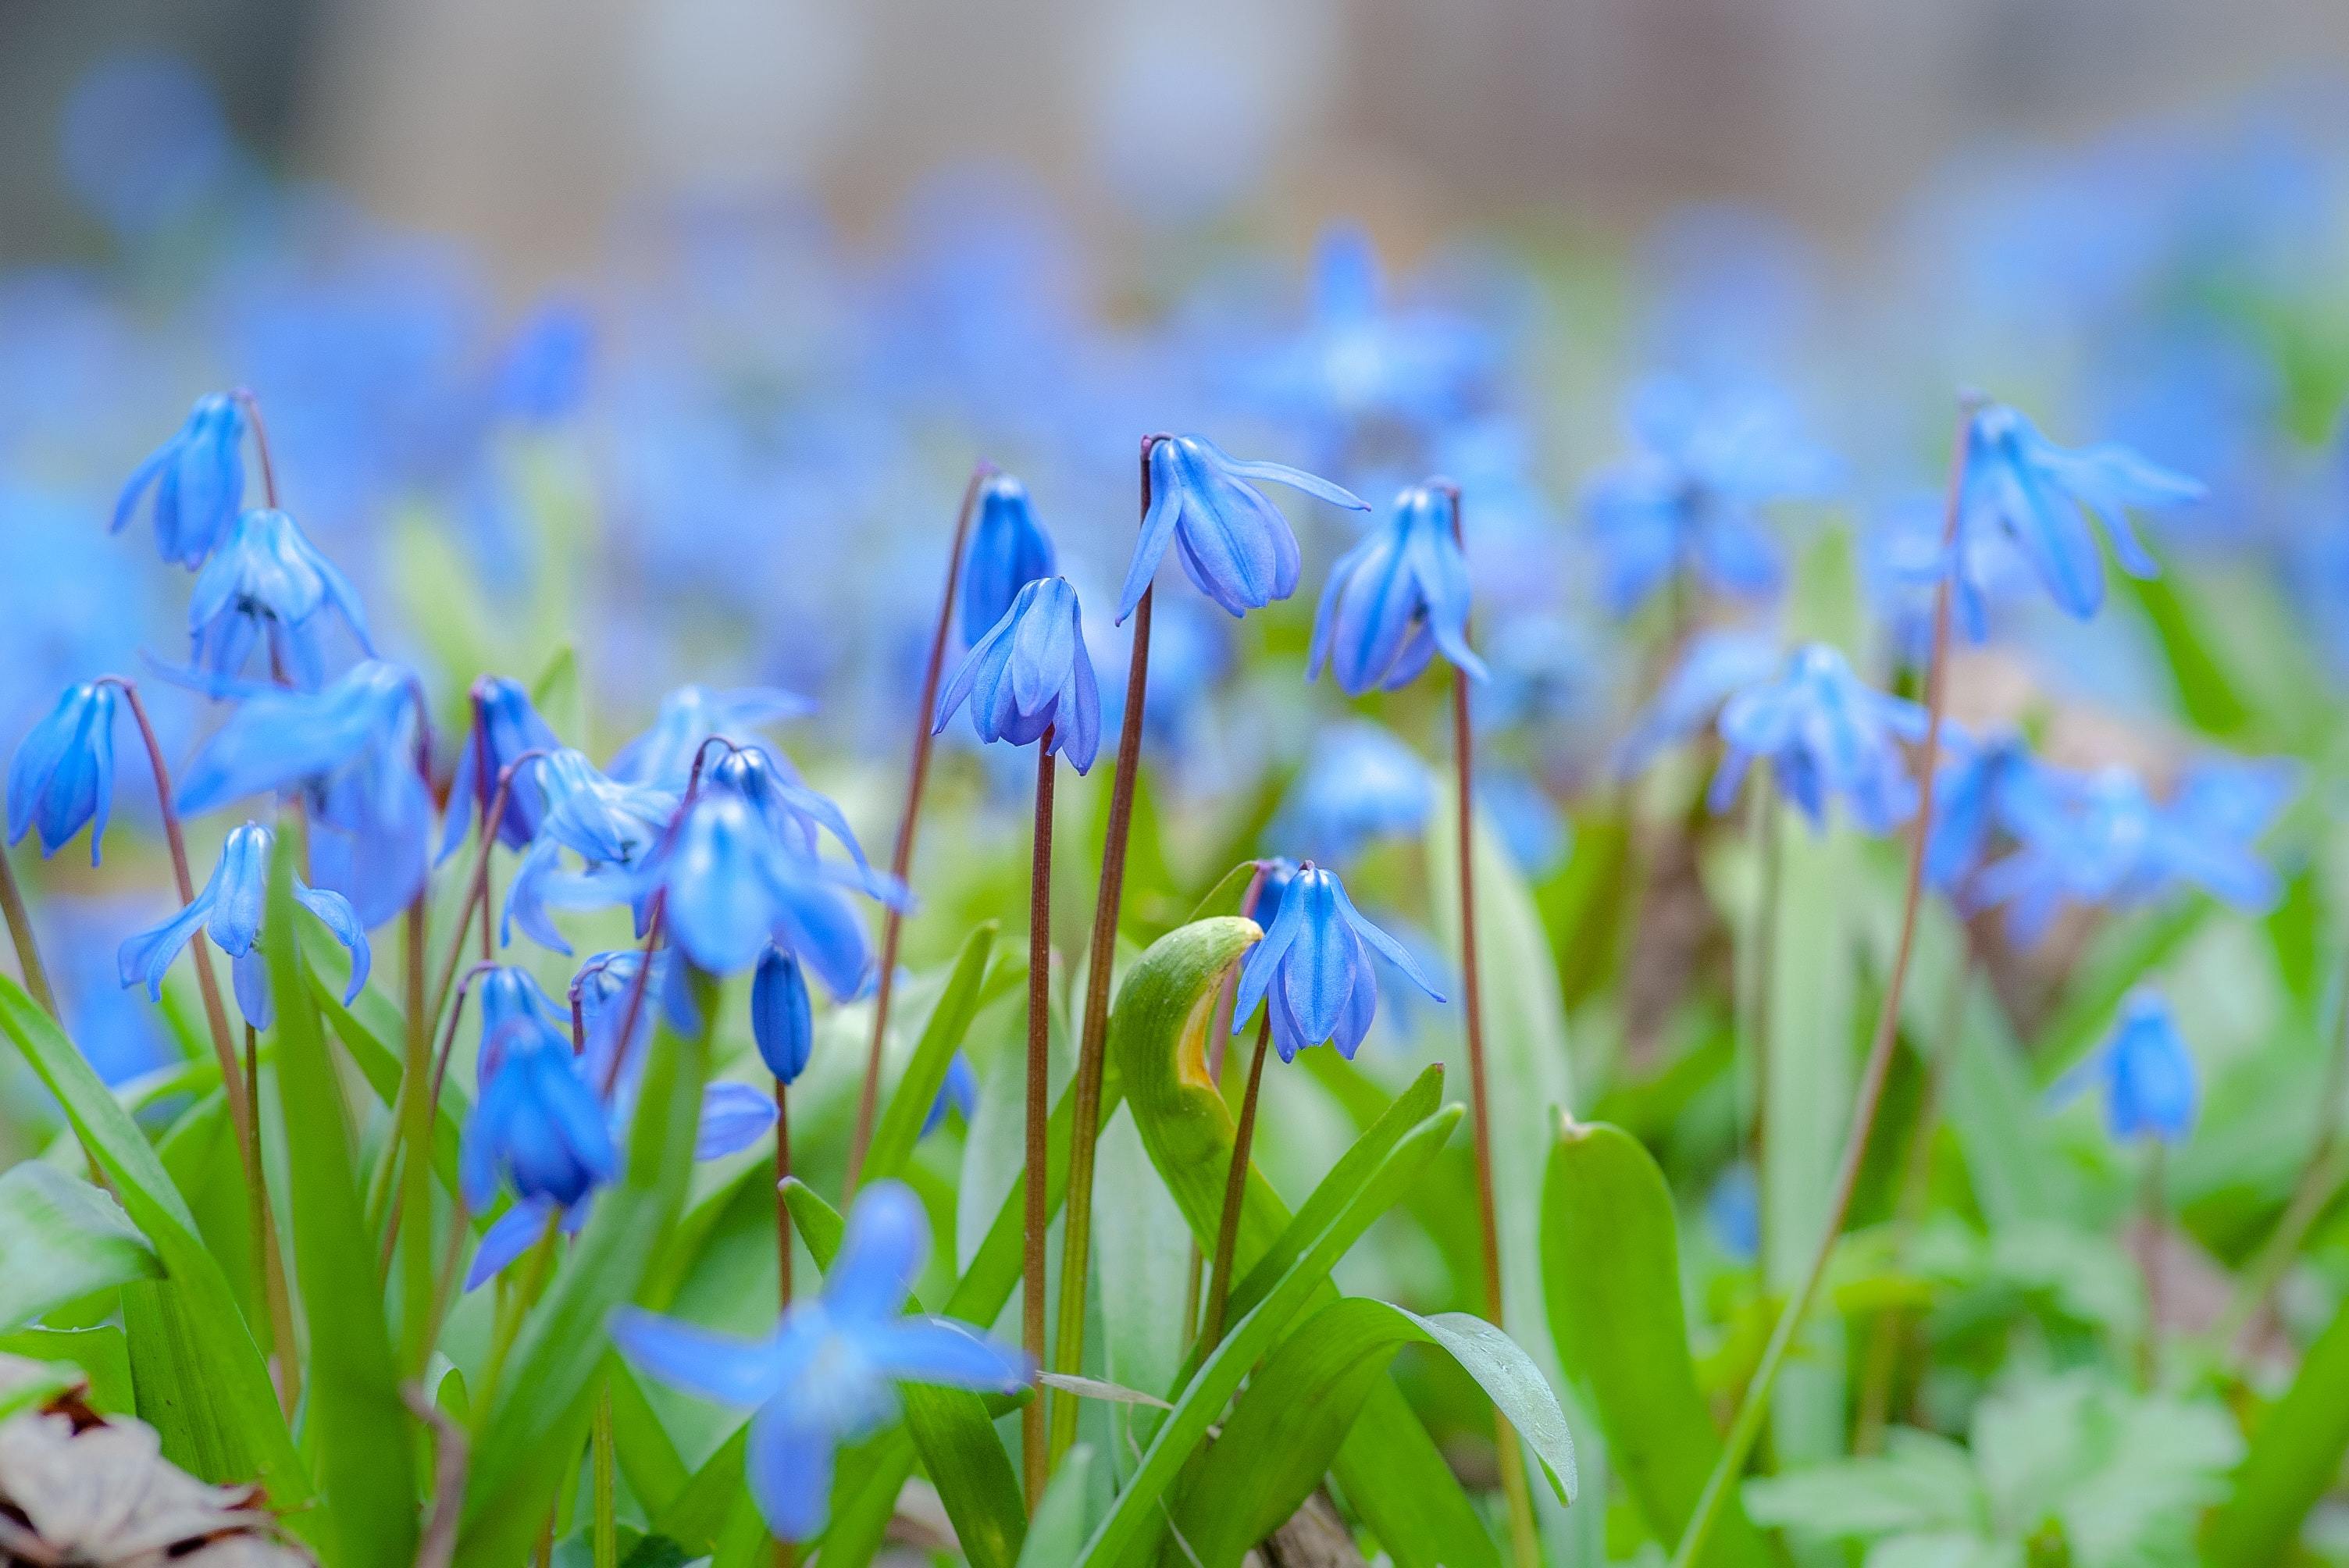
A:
(828, 1374)
(229, 909)
(1031, 675)
(1274, 873)
(514, 1011)
(505, 725)
(63, 772)
(958, 1093)
(1825, 734)
(1395, 599)
(1982, 788)
(603, 822)
(1717, 664)
(2042, 496)
(539, 1127)
(599, 1003)
(350, 750)
(1690, 499)
(198, 480)
(2145, 1072)
(1233, 542)
(798, 814)
(689, 718)
(263, 587)
(2103, 839)
(1313, 968)
(1359, 784)
(782, 1021)
(1008, 549)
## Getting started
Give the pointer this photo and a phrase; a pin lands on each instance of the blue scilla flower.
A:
(958, 1093)
(198, 480)
(514, 1011)
(1233, 542)
(692, 716)
(1734, 1211)
(1312, 969)
(1904, 563)
(1008, 549)
(1396, 598)
(2145, 1072)
(2103, 839)
(603, 821)
(782, 1021)
(1359, 784)
(538, 1129)
(1982, 788)
(542, 375)
(599, 1003)
(1691, 496)
(800, 815)
(263, 587)
(506, 725)
(1825, 733)
(2040, 496)
(63, 773)
(228, 908)
(828, 1373)
(350, 750)
(1717, 664)
(1030, 677)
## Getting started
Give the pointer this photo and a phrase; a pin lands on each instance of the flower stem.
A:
(604, 1484)
(782, 1210)
(1227, 1228)
(1033, 1461)
(270, 1261)
(492, 820)
(1523, 1543)
(252, 405)
(901, 856)
(1092, 1039)
(1218, 1036)
(2151, 1206)
(20, 932)
(416, 1133)
(515, 1308)
(1747, 1425)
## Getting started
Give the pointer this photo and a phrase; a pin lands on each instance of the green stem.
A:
(1747, 1425)
(1035, 1462)
(20, 932)
(605, 1484)
(415, 1170)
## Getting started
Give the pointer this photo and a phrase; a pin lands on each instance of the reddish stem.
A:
(1227, 1231)
(252, 405)
(901, 856)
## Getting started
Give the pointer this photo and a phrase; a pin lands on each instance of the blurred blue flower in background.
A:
(958, 1093)
(541, 377)
(229, 909)
(1733, 1209)
(1359, 783)
(828, 1373)
(1234, 545)
(1716, 665)
(692, 716)
(1008, 549)
(197, 482)
(1690, 498)
(143, 142)
(63, 773)
(2145, 1072)
(1825, 733)
(2040, 496)
(1982, 789)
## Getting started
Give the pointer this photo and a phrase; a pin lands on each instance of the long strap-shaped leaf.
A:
(2294, 1459)
(1135, 1519)
(1610, 1266)
(546, 1398)
(356, 1417)
(202, 1383)
(901, 1123)
(1390, 1468)
(950, 1426)
(1302, 1401)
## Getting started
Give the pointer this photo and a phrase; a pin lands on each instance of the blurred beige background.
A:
(533, 124)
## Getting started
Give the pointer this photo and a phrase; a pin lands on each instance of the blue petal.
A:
(880, 1256)
(789, 1464)
(249, 975)
(742, 1372)
(734, 1116)
(514, 1233)
(1387, 946)
(940, 1351)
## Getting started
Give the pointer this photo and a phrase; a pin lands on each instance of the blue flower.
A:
(542, 376)
(1008, 549)
(63, 774)
(1691, 497)
(1232, 541)
(1395, 598)
(782, 1023)
(828, 1373)
(2101, 839)
(2146, 1071)
(1312, 969)
(959, 1092)
(350, 750)
(2042, 495)
(198, 477)
(229, 909)
(265, 583)
(1359, 783)
(1031, 675)
(1904, 563)
(515, 1012)
(603, 821)
(1717, 666)
(798, 814)
(1734, 1209)
(690, 717)
(538, 1129)
(599, 1004)
(1825, 733)
(505, 725)
(1982, 788)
